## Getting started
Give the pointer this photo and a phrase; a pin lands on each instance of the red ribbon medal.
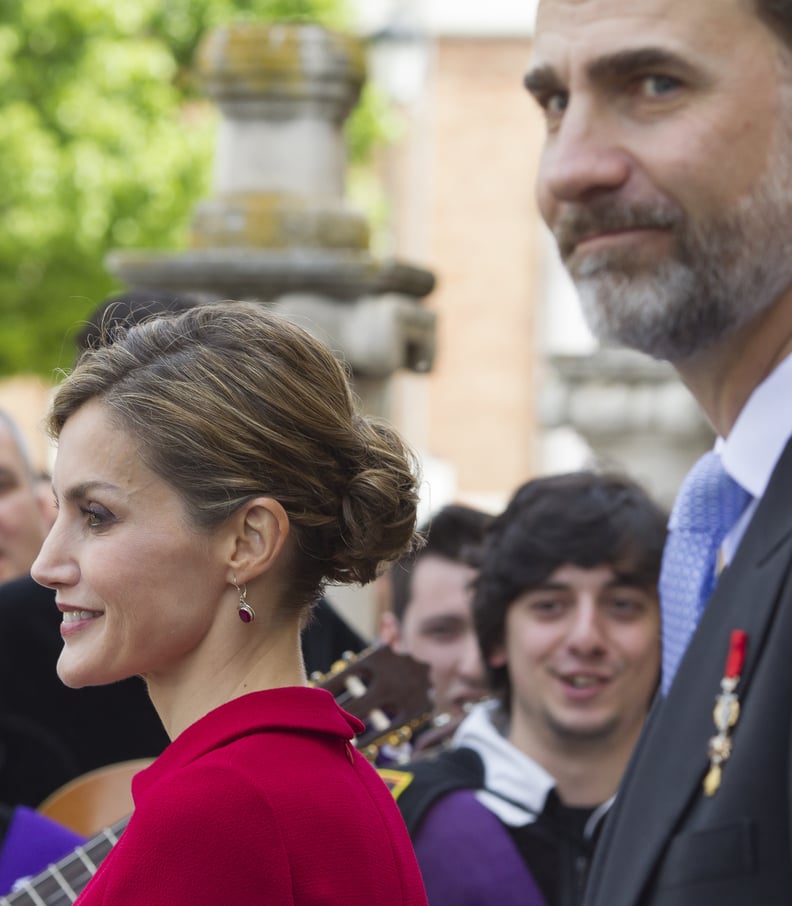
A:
(726, 712)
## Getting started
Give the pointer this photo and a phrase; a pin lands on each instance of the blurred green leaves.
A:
(104, 143)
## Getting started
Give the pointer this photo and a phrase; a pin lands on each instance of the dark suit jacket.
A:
(50, 734)
(665, 842)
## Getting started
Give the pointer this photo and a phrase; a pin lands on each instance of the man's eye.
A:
(555, 104)
(546, 606)
(442, 633)
(626, 608)
(657, 86)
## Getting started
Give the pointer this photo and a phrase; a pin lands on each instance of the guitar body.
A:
(95, 800)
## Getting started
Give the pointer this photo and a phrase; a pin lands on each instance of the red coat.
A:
(263, 800)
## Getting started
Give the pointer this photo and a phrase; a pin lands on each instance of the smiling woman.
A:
(212, 475)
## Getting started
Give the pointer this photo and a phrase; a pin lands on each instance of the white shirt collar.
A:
(508, 772)
(755, 444)
(763, 427)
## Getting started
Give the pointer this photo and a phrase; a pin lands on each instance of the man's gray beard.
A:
(719, 276)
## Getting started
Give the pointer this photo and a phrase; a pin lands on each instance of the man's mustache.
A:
(578, 222)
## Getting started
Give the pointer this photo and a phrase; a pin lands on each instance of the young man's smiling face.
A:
(582, 653)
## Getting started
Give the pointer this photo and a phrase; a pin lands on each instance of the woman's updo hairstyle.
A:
(230, 401)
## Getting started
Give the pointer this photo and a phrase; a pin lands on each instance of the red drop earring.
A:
(245, 611)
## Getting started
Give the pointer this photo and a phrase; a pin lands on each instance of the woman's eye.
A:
(95, 516)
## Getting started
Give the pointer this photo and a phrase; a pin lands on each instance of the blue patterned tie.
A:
(709, 503)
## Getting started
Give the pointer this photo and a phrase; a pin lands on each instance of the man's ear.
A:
(259, 532)
(390, 630)
(498, 656)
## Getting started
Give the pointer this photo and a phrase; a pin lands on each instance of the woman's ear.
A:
(260, 529)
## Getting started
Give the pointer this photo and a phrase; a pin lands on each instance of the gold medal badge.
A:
(726, 712)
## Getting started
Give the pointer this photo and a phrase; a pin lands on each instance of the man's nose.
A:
(586, 633)
(581, 158)
(471, 664)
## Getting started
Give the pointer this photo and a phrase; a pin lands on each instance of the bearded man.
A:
(666, 178)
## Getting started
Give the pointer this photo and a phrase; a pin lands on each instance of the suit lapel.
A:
(672, 757)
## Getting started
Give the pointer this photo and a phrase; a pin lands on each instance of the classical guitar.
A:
(388, 692)
(94, 800)
(61, 883)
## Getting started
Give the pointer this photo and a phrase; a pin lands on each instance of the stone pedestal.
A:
(277, 228)
(633, 412)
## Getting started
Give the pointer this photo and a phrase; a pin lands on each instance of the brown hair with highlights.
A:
(229, 401)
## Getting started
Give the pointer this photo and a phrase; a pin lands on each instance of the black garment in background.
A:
(50, 734)
(556, 849)
(327, 637)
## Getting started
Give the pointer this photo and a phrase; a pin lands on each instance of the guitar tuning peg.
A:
(347, 658)
(419, 722)
(406, 733)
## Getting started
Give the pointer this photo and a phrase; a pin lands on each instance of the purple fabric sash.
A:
(31, 844)
(468, 858)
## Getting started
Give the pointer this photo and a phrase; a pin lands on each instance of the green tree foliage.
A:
(104, 144)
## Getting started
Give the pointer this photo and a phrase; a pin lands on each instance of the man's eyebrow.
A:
(444, 619)
(627, 62)
(544, 79)
(629, 580)
(548, 586)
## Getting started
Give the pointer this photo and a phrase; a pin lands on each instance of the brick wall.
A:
(463, 204)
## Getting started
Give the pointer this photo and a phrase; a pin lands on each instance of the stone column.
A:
(633, 412)
(277, 228)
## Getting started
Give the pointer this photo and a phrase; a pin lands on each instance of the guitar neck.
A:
(60, 884)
